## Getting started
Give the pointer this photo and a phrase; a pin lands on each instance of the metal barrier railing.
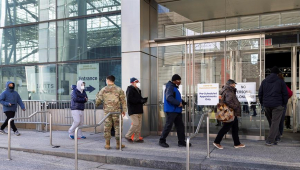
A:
(9, 129)
(194, 135)
(31, 107)
(62, 116)
(82, 127)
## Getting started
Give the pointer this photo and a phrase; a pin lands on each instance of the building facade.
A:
(47, 45)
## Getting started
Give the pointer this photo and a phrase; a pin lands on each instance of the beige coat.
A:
(289, 107)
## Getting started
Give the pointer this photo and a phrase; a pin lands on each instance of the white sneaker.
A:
(17, 133)
(3, 132)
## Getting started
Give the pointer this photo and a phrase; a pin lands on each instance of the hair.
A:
(111, 78)
(280, 75)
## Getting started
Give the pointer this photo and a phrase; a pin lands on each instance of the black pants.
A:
(235, 132)
(274, 115)
(9, 114)
(175, 118)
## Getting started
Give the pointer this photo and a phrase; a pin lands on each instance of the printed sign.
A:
(246, 91)
(89, 73)
(164, 88)
(208, 94)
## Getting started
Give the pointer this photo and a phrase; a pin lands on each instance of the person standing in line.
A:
(135, 103)
(290, 94)
(228, 94)
(273, 96)
(112, 97)
(173, 108)
(9, 99)
(78, 99)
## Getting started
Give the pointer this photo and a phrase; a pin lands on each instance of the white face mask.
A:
(82, 87)
(138, 85)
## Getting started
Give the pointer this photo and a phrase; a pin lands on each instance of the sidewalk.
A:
(150, 155)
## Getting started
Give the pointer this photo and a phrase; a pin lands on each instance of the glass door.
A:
(213, 61)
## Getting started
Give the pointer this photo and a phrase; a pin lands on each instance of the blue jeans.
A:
(282, 121)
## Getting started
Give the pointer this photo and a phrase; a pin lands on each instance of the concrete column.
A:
(139, 25)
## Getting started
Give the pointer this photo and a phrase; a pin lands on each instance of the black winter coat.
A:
(273, 92)
(134, 103)
(78, 99)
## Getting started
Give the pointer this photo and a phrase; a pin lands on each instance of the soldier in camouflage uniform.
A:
(112, 97)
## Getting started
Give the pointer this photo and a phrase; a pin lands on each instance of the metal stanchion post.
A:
(208, 151)
(188, 154)
(50, 126)
(120, 128)
(9, 138)
(76, 148)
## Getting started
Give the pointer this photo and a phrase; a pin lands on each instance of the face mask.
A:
(138, 85)
(11, 87)
(82, 87)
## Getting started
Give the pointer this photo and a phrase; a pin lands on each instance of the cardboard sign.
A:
(208, 94)
(246, 92)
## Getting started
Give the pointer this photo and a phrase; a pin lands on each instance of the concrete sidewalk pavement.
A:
(150, 155)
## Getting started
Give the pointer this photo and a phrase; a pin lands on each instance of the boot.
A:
(118, 145)
(107, 146)
(288, 122)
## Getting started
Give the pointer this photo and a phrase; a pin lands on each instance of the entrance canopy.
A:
(199, 10)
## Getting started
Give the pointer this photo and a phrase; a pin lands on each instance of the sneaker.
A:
(163, 144)
(218, 146)
(3, 132)
(139, 141)
(278, 140)
(71, 136)
(183, 144)
(271, 144)
(129, 140)
(17, 133)
(240, 146)
(82, 137)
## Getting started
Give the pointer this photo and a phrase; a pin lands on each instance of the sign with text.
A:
(89, 73)
(164, 88)
(243, 89)
(208, 94)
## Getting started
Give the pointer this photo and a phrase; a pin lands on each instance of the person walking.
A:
(135, 103)
(9, 99)
(173, 108)
(273, 96)
(78, 99)
(228, 94)
(112, 97)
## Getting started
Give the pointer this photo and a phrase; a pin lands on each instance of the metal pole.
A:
(50, 126)
(9, 139)
(95, 122)
(208, 152)
(188, 154)
(76, 148)
(120, 128)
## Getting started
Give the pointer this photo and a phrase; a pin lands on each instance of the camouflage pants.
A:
(112, 120)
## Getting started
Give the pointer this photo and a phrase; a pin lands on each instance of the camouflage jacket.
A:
(113, 98)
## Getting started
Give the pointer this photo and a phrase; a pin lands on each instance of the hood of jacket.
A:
(227, 87)
(73, 87)
(272, 78)
(7, 88)
(170, 84)
(79, 83)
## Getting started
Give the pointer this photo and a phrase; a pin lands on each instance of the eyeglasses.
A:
(178, 81)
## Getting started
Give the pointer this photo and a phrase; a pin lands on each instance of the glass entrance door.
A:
(214, 61)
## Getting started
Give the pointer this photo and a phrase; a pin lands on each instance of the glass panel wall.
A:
(44, 56)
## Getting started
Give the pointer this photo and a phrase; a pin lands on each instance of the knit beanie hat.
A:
(176, 77)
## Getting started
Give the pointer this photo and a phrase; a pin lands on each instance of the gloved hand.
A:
(184, 103)
(144, 100)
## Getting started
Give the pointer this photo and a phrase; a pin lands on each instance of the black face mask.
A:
(11, 87)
